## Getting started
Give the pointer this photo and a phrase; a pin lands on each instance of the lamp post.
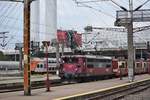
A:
(46, 44)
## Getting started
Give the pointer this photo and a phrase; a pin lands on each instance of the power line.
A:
(88, 6)
(119, 5)
(12, 10)
(90, 1)
(141, 5)
(5, 11)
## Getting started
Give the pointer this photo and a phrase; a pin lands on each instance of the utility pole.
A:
(27, 73)
(26, 37)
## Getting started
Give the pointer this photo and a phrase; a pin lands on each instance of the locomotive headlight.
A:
(76, 69)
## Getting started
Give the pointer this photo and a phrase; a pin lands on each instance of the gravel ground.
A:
(144, 95)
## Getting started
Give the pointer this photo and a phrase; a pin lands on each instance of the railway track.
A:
(120, 92)
(112, 93)
(11, 87)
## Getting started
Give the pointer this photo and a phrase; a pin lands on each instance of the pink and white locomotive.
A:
(83, 66)
(91, 66)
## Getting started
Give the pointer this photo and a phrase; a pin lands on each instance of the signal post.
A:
(46, 44)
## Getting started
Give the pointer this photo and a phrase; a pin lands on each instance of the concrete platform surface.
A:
(68, 90)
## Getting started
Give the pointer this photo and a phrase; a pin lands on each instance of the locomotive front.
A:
(71, 67)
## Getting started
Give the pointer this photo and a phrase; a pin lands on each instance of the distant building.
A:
(43, 20)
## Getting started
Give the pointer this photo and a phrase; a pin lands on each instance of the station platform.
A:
(57, 93)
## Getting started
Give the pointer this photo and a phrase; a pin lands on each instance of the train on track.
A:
(9, 65)
(37, 65)
(80, 67)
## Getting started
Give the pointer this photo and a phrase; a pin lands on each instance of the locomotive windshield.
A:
(70, 60)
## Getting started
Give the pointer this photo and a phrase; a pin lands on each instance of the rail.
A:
(111, 93)
(10, 87)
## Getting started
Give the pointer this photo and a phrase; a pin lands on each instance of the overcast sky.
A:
(69, 16)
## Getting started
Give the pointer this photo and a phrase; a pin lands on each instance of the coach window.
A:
(41, 66)
(38, 66)
(123, 65)
(90, 60)
(138, 65)
(145, 65)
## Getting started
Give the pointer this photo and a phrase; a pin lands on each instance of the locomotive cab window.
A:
(78, 66)
(70, 60)
(90, 66)
(108, 65)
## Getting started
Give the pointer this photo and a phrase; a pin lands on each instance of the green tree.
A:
(3, 57)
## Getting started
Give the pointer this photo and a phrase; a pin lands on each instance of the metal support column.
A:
(47, 72)
(130, 44)
(46, 45)
(57, 58)
(62, 52)
(20, 59)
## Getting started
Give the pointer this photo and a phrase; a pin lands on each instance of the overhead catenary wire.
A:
(13, 10)
(123, 8)
(141, 5)
(5, 11)
(88, 6)
(147, 24)
(89, 1)
(102, 18)
(13, 29)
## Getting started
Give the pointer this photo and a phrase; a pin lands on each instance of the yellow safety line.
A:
(101, 90)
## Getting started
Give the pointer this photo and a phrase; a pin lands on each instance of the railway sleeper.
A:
(119, 93)
(114, 93)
